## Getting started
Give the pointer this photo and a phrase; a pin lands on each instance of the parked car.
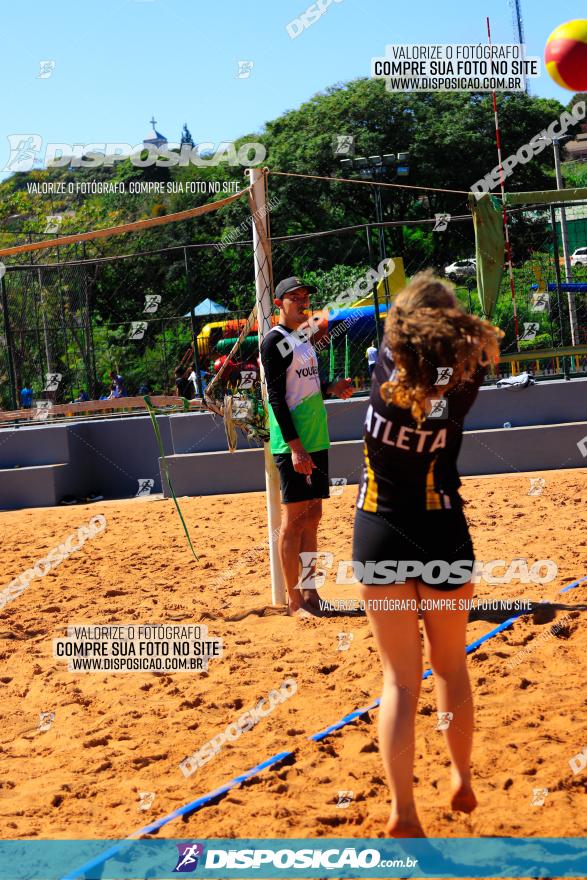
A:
(579, 258)
(461, 269)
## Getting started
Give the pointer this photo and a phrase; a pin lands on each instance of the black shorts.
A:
(437, 540)
(299, 487)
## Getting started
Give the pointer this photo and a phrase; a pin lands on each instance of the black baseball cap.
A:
(288, 285)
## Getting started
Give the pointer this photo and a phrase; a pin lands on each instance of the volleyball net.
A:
(147, 298)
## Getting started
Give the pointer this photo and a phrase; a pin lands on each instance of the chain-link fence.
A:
(70, 324)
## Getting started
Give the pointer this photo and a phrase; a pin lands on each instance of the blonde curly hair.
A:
(426, 329)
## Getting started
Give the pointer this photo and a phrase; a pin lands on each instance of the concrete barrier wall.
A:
(546, 403)
(494, 451)
(111, 455)
(33, 445)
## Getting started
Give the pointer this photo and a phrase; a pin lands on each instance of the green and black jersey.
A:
(296, 405)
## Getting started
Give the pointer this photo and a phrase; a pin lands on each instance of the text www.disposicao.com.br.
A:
(135, 664)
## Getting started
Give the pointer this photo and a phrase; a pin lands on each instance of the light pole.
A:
(377, 167)
(556, 142)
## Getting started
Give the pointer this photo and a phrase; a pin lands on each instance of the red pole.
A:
(508, 247)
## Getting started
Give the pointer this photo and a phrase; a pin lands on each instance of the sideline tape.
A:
(205, 799)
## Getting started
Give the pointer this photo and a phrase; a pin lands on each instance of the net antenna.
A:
(264, 301)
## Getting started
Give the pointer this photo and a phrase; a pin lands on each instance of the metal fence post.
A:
(9, 346)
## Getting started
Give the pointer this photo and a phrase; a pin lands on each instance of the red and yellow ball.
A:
(565, 55)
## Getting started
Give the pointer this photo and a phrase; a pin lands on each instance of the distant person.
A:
(371, 358)
(83, 396)
(203, 379)
(26, 396)
(193, 379)
(117, 388)
(184, 385)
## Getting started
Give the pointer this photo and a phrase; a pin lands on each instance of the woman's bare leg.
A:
(445, 637)
(398, 641)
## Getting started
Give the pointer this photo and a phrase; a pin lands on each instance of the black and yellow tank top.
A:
(408, 468)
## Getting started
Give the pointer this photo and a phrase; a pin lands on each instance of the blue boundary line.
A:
(196, 804)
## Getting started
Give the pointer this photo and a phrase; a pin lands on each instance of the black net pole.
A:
(165, 365)
(196, 358)
(382, 248)
(90, 348)
(378, 333)
(557, 271)
(9, 346)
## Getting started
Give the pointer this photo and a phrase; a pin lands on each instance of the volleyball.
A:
(565, 55)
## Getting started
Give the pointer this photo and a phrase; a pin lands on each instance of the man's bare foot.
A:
(304, 611)
(302, 614)
(397, 827)
(304, 603)
(311, 599)
(463, 798)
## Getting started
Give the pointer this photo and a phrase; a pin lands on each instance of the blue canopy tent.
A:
(359, 320)
(205, 308)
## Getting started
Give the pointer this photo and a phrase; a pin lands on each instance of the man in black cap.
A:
(299, 437)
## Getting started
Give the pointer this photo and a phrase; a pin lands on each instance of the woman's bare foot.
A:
(463, 798)
(397, 827)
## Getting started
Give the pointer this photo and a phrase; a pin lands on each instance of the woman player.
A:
(430, 366)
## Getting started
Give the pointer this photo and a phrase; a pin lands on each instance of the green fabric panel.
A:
(489, 248)
(311, 423)
(547, 196)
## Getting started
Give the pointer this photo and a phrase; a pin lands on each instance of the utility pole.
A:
(565, 242)
(376, 168)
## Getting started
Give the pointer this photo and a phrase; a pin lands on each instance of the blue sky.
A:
(119, 61)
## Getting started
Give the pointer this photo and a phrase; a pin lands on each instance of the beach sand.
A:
(116, 735)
